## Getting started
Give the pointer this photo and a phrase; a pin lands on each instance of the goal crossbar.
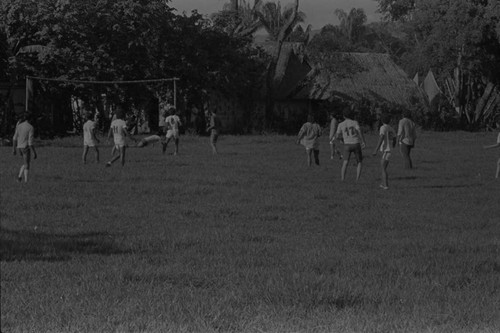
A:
(100, 82)
(29, 78)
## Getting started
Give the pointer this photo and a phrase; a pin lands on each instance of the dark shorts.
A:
(214, 136)
(26, 154)
(353, 148)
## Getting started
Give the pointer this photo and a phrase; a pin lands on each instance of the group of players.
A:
(350, 135)
(118, 131)
(348, 132)
(169, 125)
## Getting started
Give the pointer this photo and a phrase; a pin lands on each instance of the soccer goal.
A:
(163, 89)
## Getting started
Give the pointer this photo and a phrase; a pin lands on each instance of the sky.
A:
(318, 12)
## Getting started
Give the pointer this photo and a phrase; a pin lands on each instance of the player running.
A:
(214, 130)
(333, 129)
(407, 135)
(309, 137)
(89, 139)
(386, 141)
(352, 136)
(118, 130)
(23, 142)
(173, 122)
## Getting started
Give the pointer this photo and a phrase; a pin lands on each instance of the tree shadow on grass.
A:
(405, 178)
(36, 246)
(452, 186)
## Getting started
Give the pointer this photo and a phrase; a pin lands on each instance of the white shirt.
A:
(333, 128)
(309, 135)
(161, 118)
(173, 122)
(88, 129)
(23, 135)
(350, 131)
(389, 134)
(407, 131)
(118, 127)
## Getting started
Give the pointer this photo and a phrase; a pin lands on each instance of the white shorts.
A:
(172, 133)
(386, 155)
(89, 143)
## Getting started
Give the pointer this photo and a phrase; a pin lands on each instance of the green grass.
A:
(251, 240)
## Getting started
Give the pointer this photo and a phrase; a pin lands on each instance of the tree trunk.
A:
(271, 71)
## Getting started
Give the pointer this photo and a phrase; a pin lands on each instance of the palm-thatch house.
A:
(292, 68)
(354, 76)
(337, 79)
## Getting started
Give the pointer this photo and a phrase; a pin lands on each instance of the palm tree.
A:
(240, 18)
(249, 21)
(282, 25)
(351, 25)
(245, 20)
(276, 22)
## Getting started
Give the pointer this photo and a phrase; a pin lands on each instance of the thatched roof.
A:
(352, 76)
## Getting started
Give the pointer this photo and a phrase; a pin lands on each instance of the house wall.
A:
(12, 100)
(238, 117)
(229, 110)
(17, 96)
(291, 114)
(52, 114)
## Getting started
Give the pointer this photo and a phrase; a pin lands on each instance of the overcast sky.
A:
(318, 12)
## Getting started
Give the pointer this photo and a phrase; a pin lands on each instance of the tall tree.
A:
(352, 23)
(122, 40)
(400, 10)
(459, 41)
(292, 18)
(350, 35)
(280, 21)
(238, 18)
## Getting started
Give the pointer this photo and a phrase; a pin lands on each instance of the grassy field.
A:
(252, 240)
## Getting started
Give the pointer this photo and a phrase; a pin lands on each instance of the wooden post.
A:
(27, 95)
(175, 93)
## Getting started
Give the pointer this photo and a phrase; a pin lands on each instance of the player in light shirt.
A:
(333, 130)
(214, 130)
(23, 143)
(496, 145)
(118, 130)
(309, 137)
(352, 136)
(386, 141)
(407, 134)
(89, 139)
(173, 122)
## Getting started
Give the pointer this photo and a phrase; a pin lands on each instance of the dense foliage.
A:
(141, 39)
(460, 42)
(122, 40)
